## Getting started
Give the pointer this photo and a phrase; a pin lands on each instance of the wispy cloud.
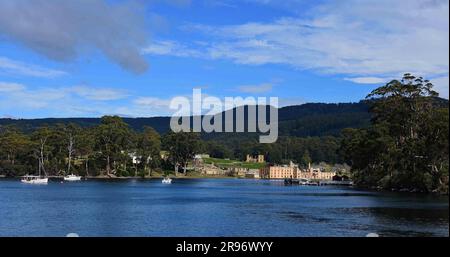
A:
(170, 47)
(19, 68)
(145, 106)
(334, 44)
(99, 94)
(157, 106)
(255, 89)
(62, 101)
(367, 80)
(365, 41)
(152, 102)
(34, 99)
(7, 87)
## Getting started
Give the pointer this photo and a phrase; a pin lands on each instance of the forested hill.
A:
(318, 119)
(312, 119)
(160, 124)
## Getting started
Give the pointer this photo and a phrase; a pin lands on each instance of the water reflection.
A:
(213, 207)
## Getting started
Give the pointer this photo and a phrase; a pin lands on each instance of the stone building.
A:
(244, 172)
(256, 159)
(211, 170)
(252, 173)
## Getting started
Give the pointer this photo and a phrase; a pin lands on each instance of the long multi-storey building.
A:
(278, 172)
(294, 172)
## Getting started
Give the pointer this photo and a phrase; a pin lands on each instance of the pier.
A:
(305, 182)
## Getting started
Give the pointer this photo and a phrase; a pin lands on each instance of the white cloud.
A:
(19, 68)
(367, 80)
(7, 87)
(362, 40)
(81, 101)
(160, 48)
(336, 44)
(60, 101)
(173, 48)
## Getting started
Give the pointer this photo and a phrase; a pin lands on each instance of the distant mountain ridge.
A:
(312, 119)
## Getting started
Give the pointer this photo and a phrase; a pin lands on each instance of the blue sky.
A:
(89, 58)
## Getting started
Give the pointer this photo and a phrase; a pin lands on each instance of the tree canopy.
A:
(406, 147)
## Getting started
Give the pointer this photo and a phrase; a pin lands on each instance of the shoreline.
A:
(105, 177)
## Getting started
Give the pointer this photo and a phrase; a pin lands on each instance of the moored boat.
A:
(39, 179)
(72, 177)
(167, 180)
(29, 179)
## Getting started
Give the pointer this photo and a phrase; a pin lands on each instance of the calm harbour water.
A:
(213, 207)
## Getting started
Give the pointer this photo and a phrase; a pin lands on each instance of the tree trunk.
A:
(87, 167)
(149, 170)
(108, 166)
(70, 152)
(42, 157)
(68, 165)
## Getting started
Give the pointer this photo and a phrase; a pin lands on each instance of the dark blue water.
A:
(213, 207)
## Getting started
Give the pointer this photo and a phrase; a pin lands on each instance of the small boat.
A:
(311, 183)
(72, 177)
(167, 180)
(304, 181)
(39, 179)
(291, 181)
(29, 179)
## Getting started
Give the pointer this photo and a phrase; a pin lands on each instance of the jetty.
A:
(306, 182)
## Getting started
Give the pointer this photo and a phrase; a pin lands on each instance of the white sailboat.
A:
(30, 179)
(167, 180)
(72, 177)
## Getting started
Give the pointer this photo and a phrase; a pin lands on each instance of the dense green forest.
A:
(109, 148)
(406, 146)
(396, 138)
(105, 149)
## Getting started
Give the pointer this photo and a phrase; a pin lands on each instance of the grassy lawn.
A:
(233, 163)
